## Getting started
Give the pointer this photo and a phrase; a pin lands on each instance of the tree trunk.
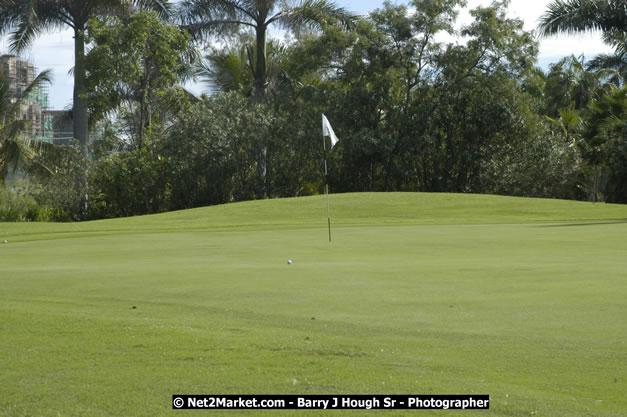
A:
(261, 85)
(79, 107)
(140, 127)
(261, 74)
(79, 110)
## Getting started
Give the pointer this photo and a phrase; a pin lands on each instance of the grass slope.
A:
(522, 299)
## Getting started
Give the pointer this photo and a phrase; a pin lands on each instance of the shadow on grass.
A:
(583, 224)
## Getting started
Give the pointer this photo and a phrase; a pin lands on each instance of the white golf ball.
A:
(289, 261)
(6, 241)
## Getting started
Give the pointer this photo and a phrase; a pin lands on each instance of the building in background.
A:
(52, 126)
(18, 74)
(58, 126)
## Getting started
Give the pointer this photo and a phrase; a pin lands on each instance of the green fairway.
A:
(521, 299)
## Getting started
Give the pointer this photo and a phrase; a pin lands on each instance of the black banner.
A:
(331, 402)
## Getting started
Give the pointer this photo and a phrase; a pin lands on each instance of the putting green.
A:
(521, 299)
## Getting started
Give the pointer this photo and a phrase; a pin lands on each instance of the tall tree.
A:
(208, 17)
(135, 62)
(26, 19)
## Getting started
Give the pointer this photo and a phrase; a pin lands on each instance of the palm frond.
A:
(21, 151)
(23, 36)
(9, 158)
(163, 8)
(194, 11)
(234, 69)
(206, 18)
(617, 39)
(228, 71)
(13, 128)
(608, 115)
(613, 66)
(572, 16)
(25, 19)
(219, 27)
(11, 12)
(607, 61)
(312, 14)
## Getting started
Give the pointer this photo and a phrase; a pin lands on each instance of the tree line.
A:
(414, 113)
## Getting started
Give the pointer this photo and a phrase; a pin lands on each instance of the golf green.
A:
(521, 299)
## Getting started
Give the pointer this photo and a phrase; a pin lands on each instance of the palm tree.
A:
(608, 119)
(569, 85)
(570, 16)
(616, 64)
(15, 147)
(233, 69)
(605, 143)
(207, 17)
(26, 19)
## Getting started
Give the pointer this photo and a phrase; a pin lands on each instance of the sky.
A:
(55, 50)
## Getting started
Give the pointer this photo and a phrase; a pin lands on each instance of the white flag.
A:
(327, 130)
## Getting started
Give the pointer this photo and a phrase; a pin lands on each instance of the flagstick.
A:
(328, 211)
(326, 183)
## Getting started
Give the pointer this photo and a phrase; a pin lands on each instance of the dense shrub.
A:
(64, 191)
(18, 205)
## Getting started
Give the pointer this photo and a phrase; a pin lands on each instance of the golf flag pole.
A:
(327, 130)
(326, 185)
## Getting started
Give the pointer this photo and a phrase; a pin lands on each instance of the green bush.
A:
(63, 194)
(19, 206)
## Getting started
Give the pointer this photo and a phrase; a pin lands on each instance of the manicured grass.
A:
(522, 299)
